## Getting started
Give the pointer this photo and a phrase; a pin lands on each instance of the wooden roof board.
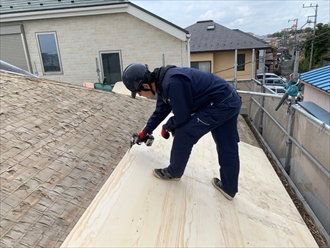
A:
(134, 208)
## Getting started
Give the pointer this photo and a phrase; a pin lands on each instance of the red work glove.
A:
(142, 134)
(165, 134)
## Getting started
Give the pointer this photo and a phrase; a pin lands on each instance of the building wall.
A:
(317, 96)
(222, 63)
(203, 57)
(81, 39)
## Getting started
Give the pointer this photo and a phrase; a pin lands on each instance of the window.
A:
(203, 66)
(111, 66)
(240, 62)
(48, 49)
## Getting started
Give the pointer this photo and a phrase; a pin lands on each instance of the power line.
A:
(318, 36)
(257, 60)
(231, 68)
(315, 17)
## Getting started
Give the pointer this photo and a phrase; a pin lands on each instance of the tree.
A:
(308, 30)
(321, 47)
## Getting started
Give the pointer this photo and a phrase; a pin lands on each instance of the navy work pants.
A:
(219, 118)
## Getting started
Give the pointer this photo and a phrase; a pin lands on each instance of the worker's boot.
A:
(218, 184)
(165, 175)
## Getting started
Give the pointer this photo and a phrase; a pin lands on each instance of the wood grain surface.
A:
(135, 209)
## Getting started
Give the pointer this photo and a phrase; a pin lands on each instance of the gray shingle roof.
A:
(220, 38)
(17, 6)
(59, 144)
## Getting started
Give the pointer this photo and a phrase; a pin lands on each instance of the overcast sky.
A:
(259, 17)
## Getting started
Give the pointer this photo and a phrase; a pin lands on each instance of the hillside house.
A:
(86, 41)
(217, 49)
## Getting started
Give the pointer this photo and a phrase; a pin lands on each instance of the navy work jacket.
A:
(185, 91)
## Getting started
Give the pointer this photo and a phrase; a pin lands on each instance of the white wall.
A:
(317, 96)
(81, 39)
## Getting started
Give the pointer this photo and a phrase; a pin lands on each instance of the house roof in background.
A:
(210, 36)
(20, 10)
(319, 78)
(19, 6)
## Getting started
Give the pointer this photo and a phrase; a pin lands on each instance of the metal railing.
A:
(302, 157)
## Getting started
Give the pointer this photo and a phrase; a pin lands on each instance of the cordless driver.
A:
(148, 139)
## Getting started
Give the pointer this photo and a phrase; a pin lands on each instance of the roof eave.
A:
(316, 87)
(158, 22)
(65, 12)
(159, 18)
(228, 49)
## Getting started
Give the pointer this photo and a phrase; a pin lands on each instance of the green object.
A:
(103, 86)
(292, 90)
(292, 82)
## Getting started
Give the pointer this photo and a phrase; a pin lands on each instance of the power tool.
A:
(148, 139)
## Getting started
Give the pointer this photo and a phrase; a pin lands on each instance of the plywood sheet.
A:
(120, 88)
(134, 208)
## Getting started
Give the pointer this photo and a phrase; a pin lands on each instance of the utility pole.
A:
(296, 65)
(295, 37)
(315, 17)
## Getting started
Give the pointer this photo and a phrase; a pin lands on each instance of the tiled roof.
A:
(17, 6)
(211, 36)
(319, 78)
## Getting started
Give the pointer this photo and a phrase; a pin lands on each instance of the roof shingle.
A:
(19, 6)
(59, 143)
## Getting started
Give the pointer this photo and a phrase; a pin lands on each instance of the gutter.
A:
(6, 67)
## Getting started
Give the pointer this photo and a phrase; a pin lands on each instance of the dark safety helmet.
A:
(134, 75)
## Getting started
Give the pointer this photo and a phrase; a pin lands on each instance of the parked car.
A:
(270, 75)
(275, 82)
(280, 90)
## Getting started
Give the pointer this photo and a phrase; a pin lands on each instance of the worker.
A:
(201, 102)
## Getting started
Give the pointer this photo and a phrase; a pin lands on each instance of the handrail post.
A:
(263, 98)
(288, 150)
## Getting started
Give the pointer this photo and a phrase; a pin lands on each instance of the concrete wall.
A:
(81, 39)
